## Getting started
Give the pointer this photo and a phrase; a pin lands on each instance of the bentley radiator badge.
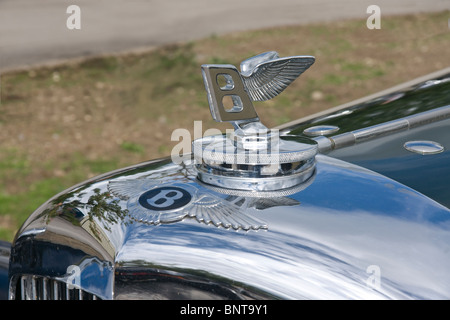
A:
(252, 158)
(153, 202)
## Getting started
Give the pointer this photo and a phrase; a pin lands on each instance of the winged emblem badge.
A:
(266, 75)
(154, 202)
(262, 77)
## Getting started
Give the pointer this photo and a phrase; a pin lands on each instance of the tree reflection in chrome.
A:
(101, 207)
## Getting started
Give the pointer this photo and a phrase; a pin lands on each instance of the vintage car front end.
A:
(347, 210)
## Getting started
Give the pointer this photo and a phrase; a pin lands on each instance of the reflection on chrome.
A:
(318, 244)
(384, 129)
(424, 147)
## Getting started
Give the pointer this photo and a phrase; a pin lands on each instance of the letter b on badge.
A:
(165, 198)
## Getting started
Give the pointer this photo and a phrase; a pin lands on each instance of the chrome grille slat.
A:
(32, 287)
(23, 285)
(55, 290)
(44, 289)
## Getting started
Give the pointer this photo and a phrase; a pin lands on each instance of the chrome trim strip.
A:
(354, 137)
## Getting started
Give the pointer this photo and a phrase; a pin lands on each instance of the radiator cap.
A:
(252, 157)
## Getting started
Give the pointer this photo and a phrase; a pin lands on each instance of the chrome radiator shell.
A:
(318, 243)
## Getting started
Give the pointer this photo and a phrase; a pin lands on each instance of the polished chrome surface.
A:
(221, 149)
(423, 147)
(262, 78)
(242, 108)
(31, 287)
(317, 242)
(265, 76)
(320, 130)
(258, 183)
(318, 247)
(152, 201)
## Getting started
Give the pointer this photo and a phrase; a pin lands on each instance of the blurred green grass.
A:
(61, 125)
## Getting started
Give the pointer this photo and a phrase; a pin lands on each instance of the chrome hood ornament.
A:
(252, 157)
(262, 78)
(266, 75)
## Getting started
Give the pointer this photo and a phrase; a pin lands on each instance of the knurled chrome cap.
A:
(285, 149)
